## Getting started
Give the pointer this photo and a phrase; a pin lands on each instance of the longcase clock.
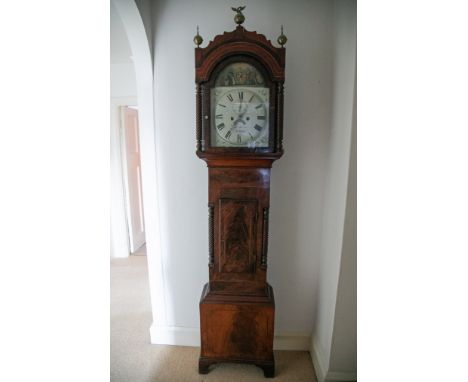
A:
(239, 112)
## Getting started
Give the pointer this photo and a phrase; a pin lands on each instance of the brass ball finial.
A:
(282, 39)
(198, 39)
(239, 18)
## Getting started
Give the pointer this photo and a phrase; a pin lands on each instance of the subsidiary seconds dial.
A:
(240, 117)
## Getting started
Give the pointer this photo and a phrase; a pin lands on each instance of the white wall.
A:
(145, 10)
(335, 320)
(122, 70)
(297, 178)
(343, 350)
(123, 83)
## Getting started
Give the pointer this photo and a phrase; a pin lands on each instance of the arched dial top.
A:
(239, 40)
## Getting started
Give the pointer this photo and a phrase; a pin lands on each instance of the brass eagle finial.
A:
(238, 9)
(239, 18)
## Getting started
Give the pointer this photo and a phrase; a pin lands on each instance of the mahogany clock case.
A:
(237, 305)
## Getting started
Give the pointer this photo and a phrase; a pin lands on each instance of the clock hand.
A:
(241, 115)
(239, 119)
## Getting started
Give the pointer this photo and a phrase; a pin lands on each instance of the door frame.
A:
(119, 218)
(124, 163)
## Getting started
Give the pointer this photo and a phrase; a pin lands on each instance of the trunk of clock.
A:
(237, 305)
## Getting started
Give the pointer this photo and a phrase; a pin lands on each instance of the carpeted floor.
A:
(134, 359)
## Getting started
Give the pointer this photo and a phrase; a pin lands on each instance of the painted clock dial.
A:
(240, 108)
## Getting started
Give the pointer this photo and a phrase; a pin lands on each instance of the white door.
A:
(132, 176)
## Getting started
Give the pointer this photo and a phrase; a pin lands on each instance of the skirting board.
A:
(321, 373)
(334, 376)
(182, 336)
(317, 361)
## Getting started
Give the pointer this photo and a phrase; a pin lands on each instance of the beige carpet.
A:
(134, 359)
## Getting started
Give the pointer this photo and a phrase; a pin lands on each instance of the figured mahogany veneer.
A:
(238, 196)
(237, 306)
(237, 329)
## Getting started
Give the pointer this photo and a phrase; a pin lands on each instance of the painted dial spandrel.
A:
(240, 74)
(240, 117)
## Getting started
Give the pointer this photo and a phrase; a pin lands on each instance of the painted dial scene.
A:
(239, 108)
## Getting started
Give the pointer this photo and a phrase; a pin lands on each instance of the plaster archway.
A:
(140, 46)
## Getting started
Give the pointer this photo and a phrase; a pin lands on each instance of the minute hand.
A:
(239, 119)
(241, 115)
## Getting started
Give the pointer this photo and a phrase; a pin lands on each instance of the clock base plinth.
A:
(268, 367)
(237, 328)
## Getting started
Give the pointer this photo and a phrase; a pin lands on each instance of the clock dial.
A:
(240, 117)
